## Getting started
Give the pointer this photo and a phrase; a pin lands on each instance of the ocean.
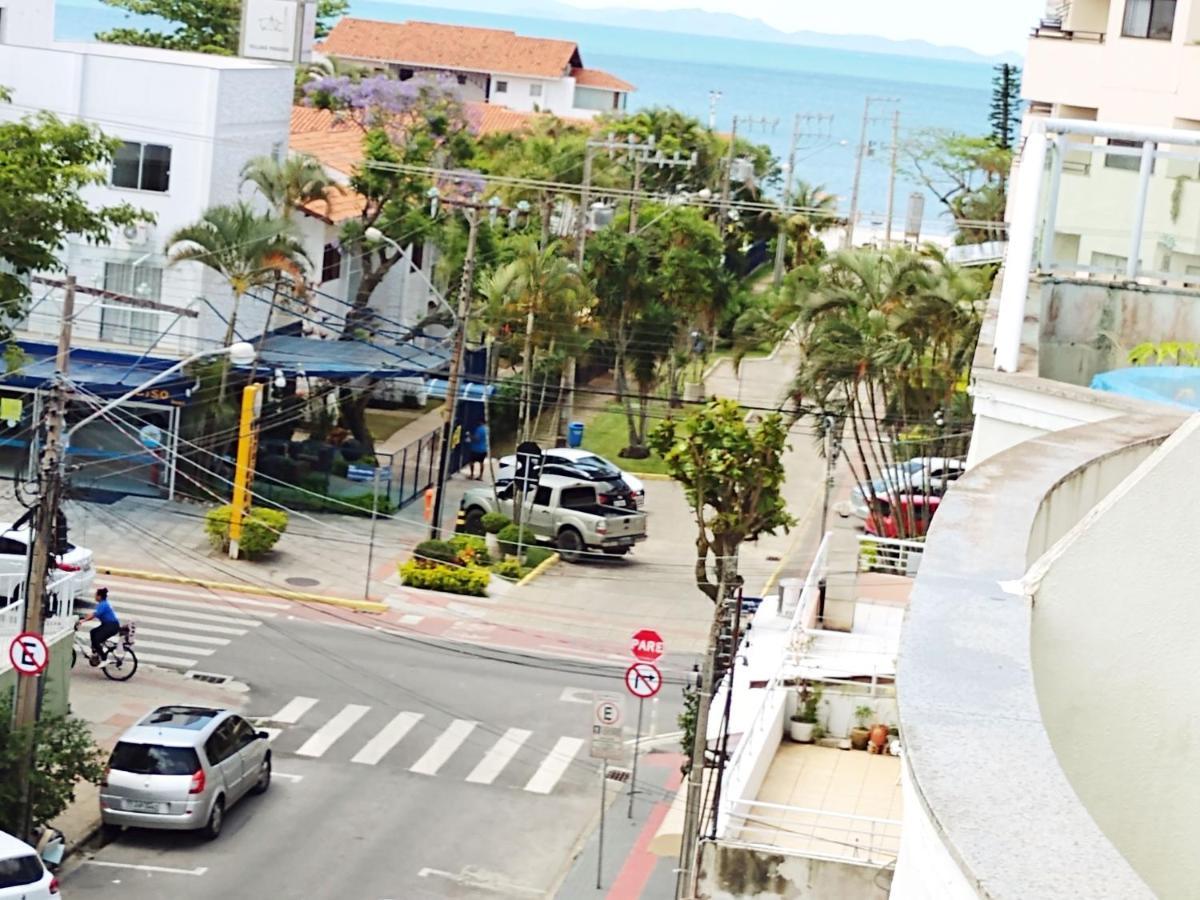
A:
(756, 79)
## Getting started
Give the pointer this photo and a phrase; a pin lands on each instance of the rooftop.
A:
(454, 47)
(598, 78)
(155, 54)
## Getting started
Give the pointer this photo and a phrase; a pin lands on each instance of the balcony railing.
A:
(897, 557)
(799, 831)
(60, 606)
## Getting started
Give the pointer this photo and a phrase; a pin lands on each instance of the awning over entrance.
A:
(350, 359)
(99, 372)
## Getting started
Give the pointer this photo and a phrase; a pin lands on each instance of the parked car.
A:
(930, 475)
(914, 511)
(14, 548)
(615, 487)
(182, 768)
(22, 874)
(563, 511)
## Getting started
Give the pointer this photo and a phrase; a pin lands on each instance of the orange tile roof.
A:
(598, 78)
(453, 47)
(338, 206)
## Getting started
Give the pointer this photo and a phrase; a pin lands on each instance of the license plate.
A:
(146, 806)
(625, 542)
(620, 503)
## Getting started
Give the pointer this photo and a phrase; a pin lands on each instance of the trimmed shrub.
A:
(261, 528)
(469, 580)
(470, 550)
(535, 556)
(494, 522)
(509, 535)
(439, 551)
(508, 568)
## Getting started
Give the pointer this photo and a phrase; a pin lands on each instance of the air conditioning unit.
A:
(138, 235)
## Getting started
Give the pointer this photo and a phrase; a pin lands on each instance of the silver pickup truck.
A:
(564, 512)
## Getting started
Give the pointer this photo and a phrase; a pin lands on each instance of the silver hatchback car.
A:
(182, 768)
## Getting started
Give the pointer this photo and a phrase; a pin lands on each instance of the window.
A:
(220, 745)
(149, 759)
(20, 870)
(124, 323)
(143, 167)
(461, 79)
(331, 263)
(1132, 162)
(243, 734)
(405, 74)
(542, 496)
(9, 547)
(1154, 19)
(535, 90)
(501, 87)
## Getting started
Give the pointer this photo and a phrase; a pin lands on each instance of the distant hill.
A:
(726, 25)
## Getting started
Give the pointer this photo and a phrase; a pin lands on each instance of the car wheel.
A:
(570, 545)
(473, 522)
(264, 776)
(216, 818)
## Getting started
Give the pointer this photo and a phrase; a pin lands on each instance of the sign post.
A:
(643, 679)
(607, 716)
(527, 475)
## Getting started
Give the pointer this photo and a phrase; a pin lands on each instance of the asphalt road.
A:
(402, 770)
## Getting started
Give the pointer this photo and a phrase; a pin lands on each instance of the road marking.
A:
(292, 778)
(443, 748)
(325, 736)
(576, 695)
(292, 711)
(214, 606)
(187, 614)
(161, 660)
(199, 626)
(393, 732)
(472, 876)
(554, 765)
(499, 756)
(178, 648)
(199, 870)
(411, 619)
(180, 636)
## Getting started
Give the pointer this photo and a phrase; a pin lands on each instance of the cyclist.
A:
(109, 625)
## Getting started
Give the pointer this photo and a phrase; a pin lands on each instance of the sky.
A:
(988, 28)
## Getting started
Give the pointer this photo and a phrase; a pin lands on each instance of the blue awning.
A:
(350, 359)
(101, 372)
(466, 390)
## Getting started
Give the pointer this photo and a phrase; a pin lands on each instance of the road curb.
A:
(540, 569)
(300, 596)
(651, 476)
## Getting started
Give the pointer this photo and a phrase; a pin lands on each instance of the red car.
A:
(914, 512)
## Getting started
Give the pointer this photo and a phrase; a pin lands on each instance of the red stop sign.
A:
(647, 645)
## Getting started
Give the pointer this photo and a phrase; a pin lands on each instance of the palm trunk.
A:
(230, 331)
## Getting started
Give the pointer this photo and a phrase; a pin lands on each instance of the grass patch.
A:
(383, 423)
(607, 435)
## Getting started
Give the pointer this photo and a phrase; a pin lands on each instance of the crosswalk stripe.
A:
(187, 592)
(164, 660)
(325, 736)
(186, 614)
(554, 765)
(178, 648)
(180, 636)
(443, 748)
(177, 623)
(293, 710)
(499, 756)
(215, 606)
(393, 732)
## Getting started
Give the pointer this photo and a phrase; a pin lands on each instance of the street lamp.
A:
(240, 353)
(375, 236)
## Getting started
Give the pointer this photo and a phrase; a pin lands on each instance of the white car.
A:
(581, 464)
(14, 547)
(22, 875)
(923, 474)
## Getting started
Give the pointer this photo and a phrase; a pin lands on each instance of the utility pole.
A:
(713, 97)
(726, 182)
(781, 240)
(832, 449)
(247, 444)
(29, 687)
(858, 165)
(891, 201)
(456, 362)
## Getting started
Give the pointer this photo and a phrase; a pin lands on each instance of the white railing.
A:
(899, 557)
(109, 322)
(60, 606)
(799, 831)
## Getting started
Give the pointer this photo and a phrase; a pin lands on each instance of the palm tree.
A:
(289, 185)
(814, 208)
(247, 248)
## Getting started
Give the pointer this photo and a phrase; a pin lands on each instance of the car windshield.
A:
(596, 467)
(151, 759)
(19, 870)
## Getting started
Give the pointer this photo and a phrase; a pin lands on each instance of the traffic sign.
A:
(529, 465)
(607, 734)
(28, 653)
(647, 645)
(643, 680)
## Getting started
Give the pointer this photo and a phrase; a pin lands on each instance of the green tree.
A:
(44, 165)
(1005, 114)
(968, 175)
(64, 755)
(289, 185)
(204, 26)
(815, 208)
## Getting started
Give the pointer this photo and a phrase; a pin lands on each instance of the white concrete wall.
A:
(1114, 615)
(557, 97)
(925, 870)
(26, 22)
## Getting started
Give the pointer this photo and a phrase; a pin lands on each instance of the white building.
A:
(492, 66)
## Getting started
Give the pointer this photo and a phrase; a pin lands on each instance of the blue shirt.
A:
(479, 439)
(104, 612)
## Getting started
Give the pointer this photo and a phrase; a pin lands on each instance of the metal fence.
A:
(60, 605)
(414, 469)
(898, 557)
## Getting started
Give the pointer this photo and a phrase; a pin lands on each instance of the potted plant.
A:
(860, 735)
(804, 720)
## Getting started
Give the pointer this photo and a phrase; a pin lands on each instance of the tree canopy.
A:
(967, 174)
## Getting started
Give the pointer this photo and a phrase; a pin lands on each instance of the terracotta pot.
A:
(859, 737)
(878, 738)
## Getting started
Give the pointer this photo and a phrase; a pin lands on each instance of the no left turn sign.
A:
(28, 653)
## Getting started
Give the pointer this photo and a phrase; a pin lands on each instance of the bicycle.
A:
(120, 662)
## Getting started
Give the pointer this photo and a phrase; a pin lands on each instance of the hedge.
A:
(439, 551)
(469, 580)
(494, 522)
(535, 556)
(508, 538)
(261, 529)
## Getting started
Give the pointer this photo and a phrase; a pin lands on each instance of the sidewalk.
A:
(110, 707)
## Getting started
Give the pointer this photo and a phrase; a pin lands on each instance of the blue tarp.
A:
(349, 359)
(100, 372)
(1176, 385)
(437, 387)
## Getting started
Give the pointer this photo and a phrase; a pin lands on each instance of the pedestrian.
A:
(109, 625)
(477, 450)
